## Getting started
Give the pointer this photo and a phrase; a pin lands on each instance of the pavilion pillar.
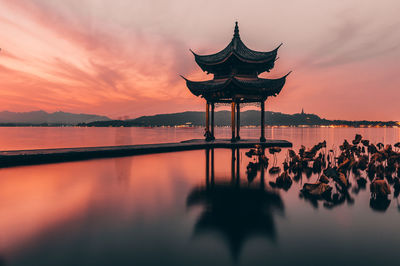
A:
(212, 120)
(207, 133)
(212, 168)
(207, 167)
(238, 121)
(233, 165)
(233, 121)
(262, 138)
(237, 167)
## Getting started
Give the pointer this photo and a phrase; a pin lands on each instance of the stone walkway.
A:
(41, 156)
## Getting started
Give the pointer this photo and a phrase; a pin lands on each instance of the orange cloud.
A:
(61, 57)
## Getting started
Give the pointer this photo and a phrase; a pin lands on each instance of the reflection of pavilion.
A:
(236, 212)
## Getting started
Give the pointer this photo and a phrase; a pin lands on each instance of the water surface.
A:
(182, 209)
(24, 138)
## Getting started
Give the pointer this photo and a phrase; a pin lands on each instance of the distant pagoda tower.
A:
(236, 69)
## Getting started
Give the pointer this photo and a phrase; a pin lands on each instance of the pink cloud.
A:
(60, 58)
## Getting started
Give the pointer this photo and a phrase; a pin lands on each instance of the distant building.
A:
(236, 69)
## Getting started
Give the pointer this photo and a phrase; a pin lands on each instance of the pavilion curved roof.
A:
(238, 49)
(251, 86)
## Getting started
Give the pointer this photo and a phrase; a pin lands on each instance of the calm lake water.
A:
(158, 209)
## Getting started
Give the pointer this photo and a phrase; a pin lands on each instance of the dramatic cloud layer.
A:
(123, 58)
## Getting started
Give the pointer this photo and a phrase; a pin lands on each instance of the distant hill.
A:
(42, 117)
(222, 118)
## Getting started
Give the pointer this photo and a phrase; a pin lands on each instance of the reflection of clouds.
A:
(36, 200)
(123, 169)
(123, 165)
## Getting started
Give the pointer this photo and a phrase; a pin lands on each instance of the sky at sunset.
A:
(124, 57)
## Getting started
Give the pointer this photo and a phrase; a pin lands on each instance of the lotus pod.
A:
(284, 181)
(274, 170)
(380, 188)
(342, 180)
(316, 189)
(357, 139)
(365, 142)
(292, 153)
(273, 150)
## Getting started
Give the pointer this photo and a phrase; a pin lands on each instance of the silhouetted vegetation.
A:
(377, 164)
(222, 118)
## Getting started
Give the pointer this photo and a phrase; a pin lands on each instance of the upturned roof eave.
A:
(203, 64)
(269, 56)
(275, 89)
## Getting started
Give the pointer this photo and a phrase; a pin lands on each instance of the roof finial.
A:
(236, 34)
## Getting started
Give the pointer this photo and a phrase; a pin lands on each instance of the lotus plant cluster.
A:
(377, 164)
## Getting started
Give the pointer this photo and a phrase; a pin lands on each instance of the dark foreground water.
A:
(185, 208)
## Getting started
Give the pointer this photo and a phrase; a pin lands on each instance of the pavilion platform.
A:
(43, 156)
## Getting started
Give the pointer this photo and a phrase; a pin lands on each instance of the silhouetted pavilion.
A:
(236, 69)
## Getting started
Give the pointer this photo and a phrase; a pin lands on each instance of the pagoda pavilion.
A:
(236, 82)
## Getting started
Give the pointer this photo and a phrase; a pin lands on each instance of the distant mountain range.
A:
(44, 118)
(247, 118)
(222, 118)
